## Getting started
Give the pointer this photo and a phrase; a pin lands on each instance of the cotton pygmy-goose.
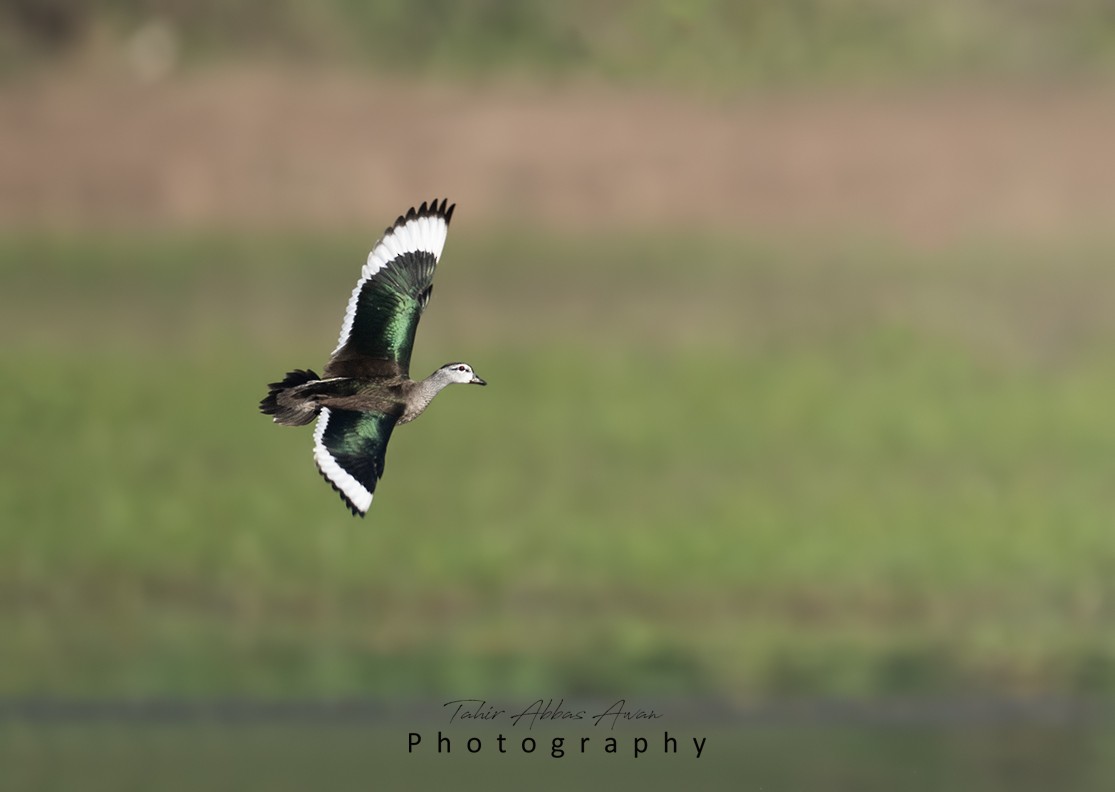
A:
(366, 389)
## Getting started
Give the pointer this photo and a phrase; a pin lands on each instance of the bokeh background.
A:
(797, 319)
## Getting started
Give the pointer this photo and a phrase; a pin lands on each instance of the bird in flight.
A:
(366, 389)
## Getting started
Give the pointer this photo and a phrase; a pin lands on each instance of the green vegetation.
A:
(702, 465)
(280, 757)
(717, 42)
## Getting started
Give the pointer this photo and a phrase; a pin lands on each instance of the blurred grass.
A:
(691, 42)
(703, 464)
(276, 757)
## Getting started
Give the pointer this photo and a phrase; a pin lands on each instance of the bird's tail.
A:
(284, 402)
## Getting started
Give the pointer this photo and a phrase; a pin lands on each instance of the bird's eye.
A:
(461, 368)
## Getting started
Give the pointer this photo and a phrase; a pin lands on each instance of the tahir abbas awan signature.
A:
(479, 711)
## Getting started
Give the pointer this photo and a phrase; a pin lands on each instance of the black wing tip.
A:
(351, 506)
(435, 208)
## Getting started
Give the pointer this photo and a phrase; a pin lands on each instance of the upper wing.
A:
(349, 449)
(395, 284)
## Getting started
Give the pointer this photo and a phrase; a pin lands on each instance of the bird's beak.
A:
(476, 381)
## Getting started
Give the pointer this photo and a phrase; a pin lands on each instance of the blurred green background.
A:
(796, 318)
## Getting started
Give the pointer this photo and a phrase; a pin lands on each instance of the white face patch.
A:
(356, 492)
(458, 372)
(425, 232)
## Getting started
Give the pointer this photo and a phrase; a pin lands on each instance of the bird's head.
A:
(462, 373)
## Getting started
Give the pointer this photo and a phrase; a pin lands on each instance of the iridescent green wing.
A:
(377, 334)
(350, 449)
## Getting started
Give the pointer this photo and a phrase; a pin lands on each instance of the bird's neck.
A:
(424, 393)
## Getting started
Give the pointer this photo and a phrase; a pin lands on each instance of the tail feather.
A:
(282, 403)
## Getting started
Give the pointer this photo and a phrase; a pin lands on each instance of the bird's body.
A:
(366, 389)
(398, 396)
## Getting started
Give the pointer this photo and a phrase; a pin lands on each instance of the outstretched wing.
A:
(377, 334)
(349, 449)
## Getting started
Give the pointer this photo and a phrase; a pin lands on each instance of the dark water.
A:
(820, 746)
